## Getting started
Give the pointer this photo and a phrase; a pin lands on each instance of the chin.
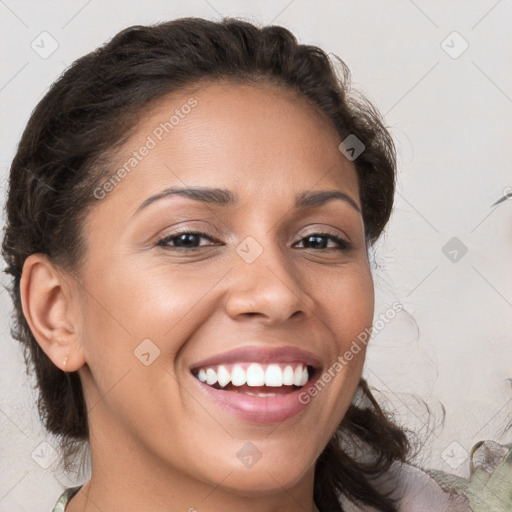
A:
(263, 481)
(262, 477)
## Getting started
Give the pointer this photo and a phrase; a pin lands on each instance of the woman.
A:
(189, 217)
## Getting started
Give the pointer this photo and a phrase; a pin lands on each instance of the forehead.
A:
(260, 138)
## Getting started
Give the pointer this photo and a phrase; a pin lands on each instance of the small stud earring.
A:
(65, 361)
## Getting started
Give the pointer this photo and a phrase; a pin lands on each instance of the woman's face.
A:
(261, 289)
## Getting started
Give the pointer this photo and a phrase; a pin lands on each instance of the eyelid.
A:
(194, 226)
(327, 230)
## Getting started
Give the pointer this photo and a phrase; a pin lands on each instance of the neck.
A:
(125, 480)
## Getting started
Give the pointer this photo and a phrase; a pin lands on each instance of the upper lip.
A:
(262, 355)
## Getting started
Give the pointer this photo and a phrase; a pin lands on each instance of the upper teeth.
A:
(255, 374)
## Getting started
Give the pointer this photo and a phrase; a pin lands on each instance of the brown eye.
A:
(320, 241)
(183, 240)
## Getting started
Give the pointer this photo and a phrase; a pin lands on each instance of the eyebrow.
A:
(223, 197)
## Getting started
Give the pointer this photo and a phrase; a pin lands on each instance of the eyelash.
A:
(343, 245)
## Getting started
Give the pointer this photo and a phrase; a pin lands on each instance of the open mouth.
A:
(258, 384)
(256, 379)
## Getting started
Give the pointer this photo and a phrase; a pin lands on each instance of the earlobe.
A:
(46, 301)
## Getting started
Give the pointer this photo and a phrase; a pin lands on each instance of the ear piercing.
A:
(65, 361)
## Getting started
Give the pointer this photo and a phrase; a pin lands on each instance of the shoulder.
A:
(60, 506)
(414, 491)
(419, 491)
(488, 488)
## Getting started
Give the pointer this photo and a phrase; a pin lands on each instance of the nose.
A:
(268, 288)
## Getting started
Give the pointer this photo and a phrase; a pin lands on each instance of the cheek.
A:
(126, 304)
(349, 305)
(347, 309)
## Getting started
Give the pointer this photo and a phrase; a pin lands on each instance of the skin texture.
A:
(157, 442)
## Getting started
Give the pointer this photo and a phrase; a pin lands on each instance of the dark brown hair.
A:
(90, 111)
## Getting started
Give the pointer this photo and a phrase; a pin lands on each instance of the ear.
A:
(47, 303)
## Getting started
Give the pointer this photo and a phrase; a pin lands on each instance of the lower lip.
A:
(270, 409)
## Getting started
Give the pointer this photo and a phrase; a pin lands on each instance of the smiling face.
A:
(271, 282)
